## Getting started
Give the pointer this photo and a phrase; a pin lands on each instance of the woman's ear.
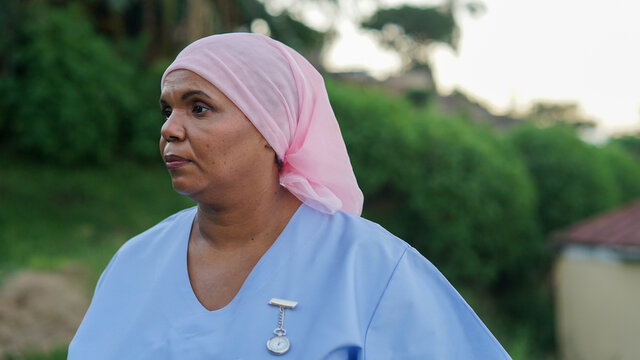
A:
(279, 163)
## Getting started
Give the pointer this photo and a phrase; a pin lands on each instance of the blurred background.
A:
(499, 138)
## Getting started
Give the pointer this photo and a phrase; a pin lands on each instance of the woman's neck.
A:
(255, 222)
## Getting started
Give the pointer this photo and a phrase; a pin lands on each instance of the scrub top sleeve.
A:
(105, 273)
(421, 316)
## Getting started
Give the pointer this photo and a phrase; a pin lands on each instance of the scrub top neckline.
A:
(258, 270)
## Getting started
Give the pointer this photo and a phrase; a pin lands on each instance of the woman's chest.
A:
(324, 325)
(158, 316)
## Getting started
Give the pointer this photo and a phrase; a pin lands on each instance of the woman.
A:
(274, 260)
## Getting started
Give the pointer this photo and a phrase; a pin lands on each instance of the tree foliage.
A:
(66, 91)
(375, 127)
(625, 169)
(474, 199)
(73, 89)
(552, 114)
(424, 25)
(572, 178)
(162, 28)
(410, 30)
(629, 143)
(283, 27)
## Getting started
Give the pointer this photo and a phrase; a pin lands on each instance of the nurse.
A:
(274, 260)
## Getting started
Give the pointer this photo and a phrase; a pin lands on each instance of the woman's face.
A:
(209, 146)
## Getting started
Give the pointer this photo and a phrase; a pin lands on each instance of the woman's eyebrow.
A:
(187, 95)
(194, 92)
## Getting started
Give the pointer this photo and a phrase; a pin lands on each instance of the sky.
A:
(519, 52)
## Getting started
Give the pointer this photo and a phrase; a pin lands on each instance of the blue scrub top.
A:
(362, 293)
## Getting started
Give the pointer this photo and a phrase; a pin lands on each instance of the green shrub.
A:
(141, 130)
(375, 128)
(630, 143)
(572, 178)
(66, 92)
(452, 190)
(625, 168)
(474, 199)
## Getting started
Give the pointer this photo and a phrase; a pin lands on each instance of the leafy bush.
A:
(630, 143)
(141, 131)
(375, 127)
(453, 190)
(474, 199)
(625, 168)
(572, 178)
(69, 98)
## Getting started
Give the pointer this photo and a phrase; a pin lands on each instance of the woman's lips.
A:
(174, 161)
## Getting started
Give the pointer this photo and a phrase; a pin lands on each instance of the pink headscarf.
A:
(284, 97)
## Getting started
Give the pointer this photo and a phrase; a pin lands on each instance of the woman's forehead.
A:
(181, 81)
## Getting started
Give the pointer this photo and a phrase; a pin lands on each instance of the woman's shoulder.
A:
(351, 241)
(412, 302)
(169, 229)
(366, 235)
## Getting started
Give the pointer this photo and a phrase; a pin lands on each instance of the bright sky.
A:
(518, 52)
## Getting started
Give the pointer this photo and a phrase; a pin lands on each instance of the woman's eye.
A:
(199, 109)
(166, 112)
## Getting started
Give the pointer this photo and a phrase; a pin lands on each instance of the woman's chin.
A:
(181, 191)
(181, 186)
(193, 191)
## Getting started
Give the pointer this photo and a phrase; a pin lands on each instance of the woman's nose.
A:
(173, 129)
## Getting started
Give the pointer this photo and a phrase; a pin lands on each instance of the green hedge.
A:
(573, 179)
(453, 190)
(68, 97)
(625, 169)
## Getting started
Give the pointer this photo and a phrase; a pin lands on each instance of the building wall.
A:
(597, 305)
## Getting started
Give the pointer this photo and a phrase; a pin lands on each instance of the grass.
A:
(55, 217)
(51, 216)
(55, 354)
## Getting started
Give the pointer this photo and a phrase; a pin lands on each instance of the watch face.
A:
(278, 345)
